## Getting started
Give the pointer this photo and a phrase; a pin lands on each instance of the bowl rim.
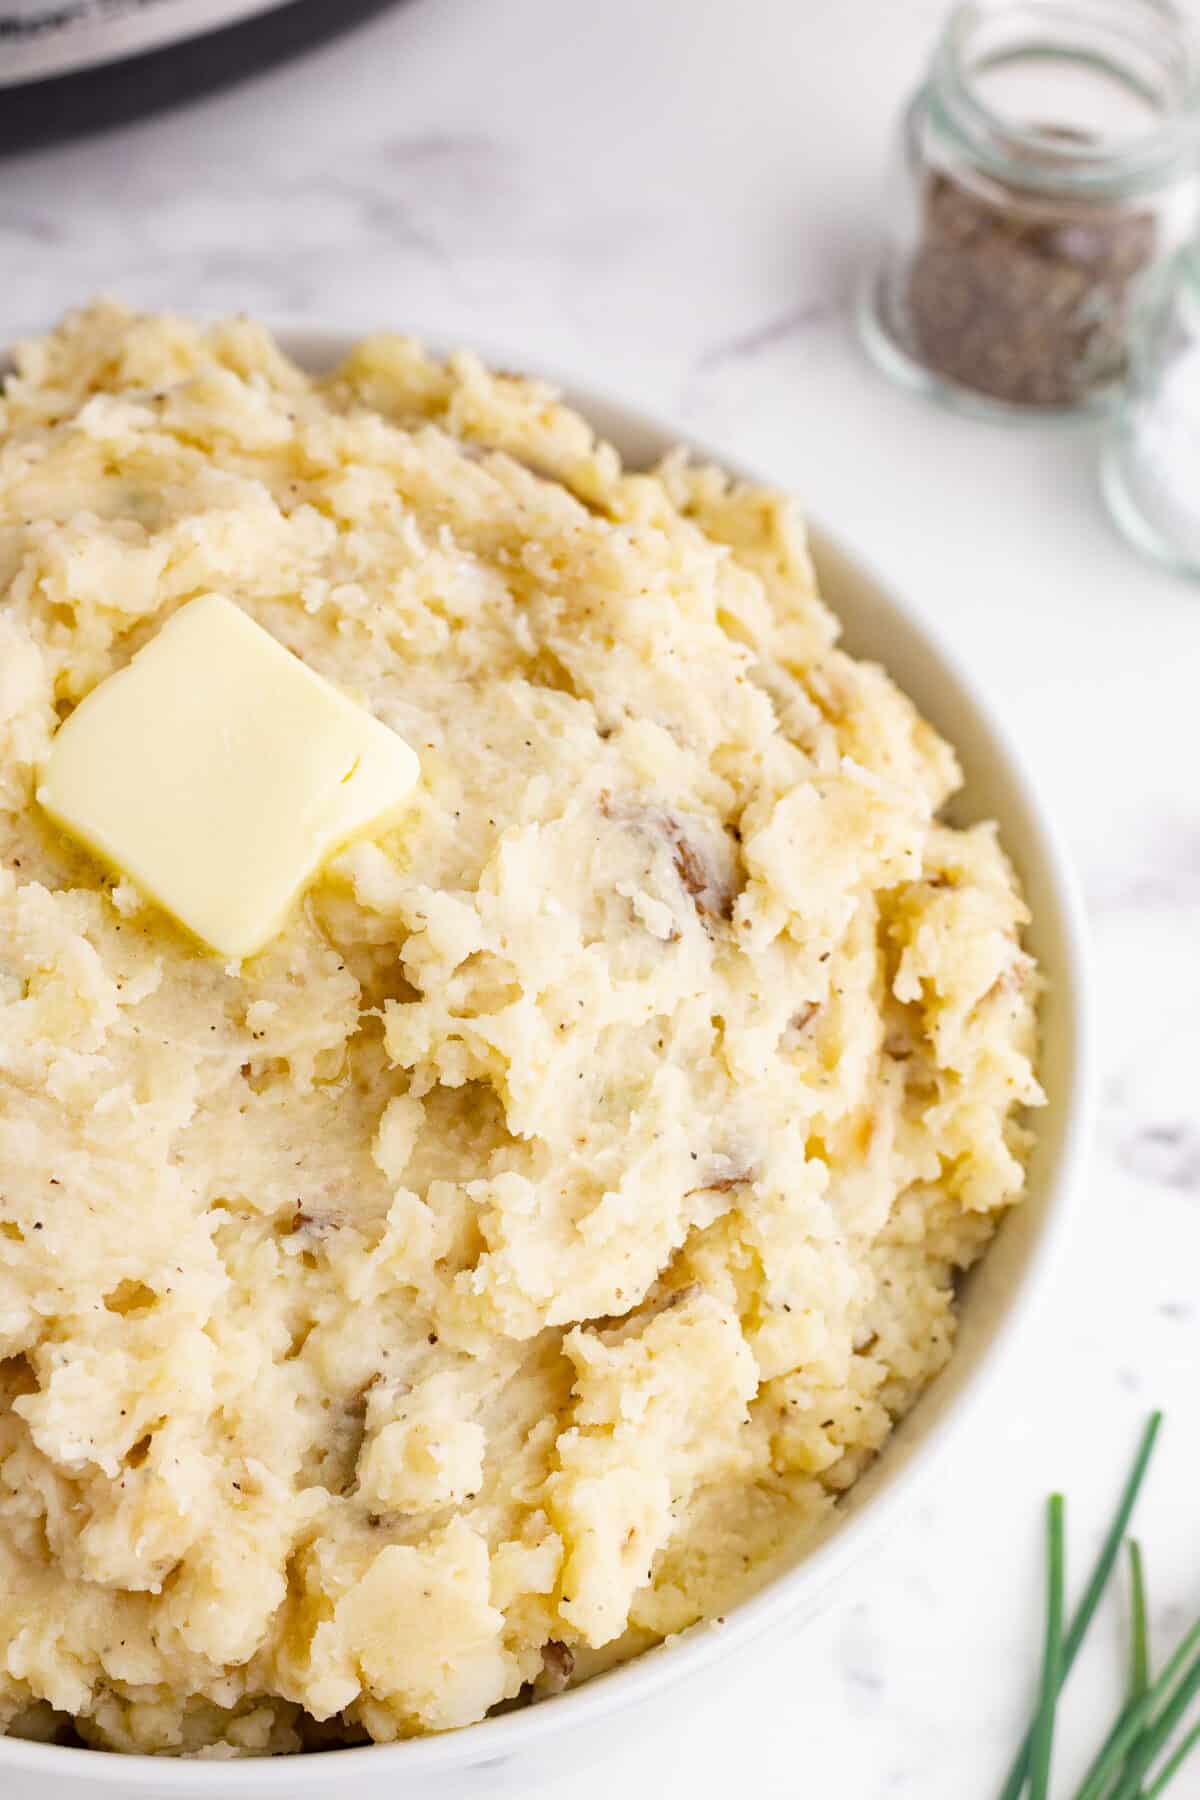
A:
(493, 1739)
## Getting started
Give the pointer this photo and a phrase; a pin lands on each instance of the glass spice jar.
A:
(1048, 166)
(1150, 463)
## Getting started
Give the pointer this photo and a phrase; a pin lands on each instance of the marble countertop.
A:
(673, 199)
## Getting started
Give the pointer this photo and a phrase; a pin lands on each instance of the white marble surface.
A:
(671, 197)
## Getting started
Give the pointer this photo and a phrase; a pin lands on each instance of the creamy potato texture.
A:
(513, 1261)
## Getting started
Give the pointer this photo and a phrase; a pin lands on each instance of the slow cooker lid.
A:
(41, 39)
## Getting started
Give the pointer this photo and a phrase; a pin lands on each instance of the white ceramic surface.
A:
(512, 1753)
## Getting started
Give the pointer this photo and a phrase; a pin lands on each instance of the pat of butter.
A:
(218, 772)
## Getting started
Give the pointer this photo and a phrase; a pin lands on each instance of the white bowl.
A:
(560, 1735)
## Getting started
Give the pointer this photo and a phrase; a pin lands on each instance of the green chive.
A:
(1139, 1643)
(1106, 1765)
(1140, 1723)
(1139, 1656)
(1139, 1638)
(1176, 1763)
(1015, 1784)
(1052, 1654)
(1161, 1726)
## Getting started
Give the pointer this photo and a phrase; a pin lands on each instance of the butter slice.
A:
(217, 771)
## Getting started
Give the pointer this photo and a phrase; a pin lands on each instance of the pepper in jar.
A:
(1029, 302)
(1019, 254)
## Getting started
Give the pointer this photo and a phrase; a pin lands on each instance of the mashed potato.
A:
(511, 1263)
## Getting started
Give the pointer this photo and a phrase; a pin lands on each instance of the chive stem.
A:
(1142, 1724)
(1160, 1728)
(1173, 1767)
(1097, 1581)
(1115, 1729)
(1139, 1641)
(1052, 1653)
